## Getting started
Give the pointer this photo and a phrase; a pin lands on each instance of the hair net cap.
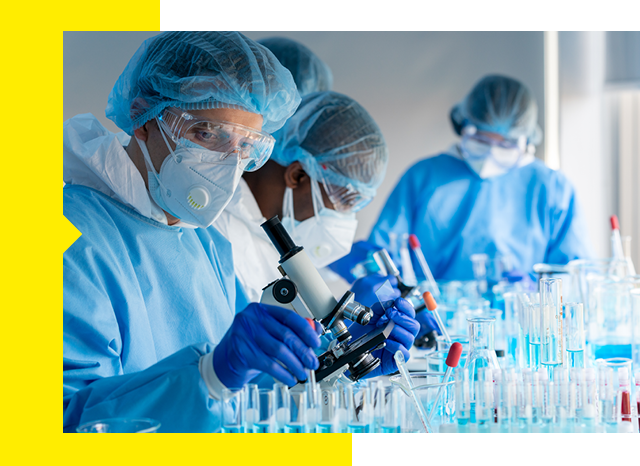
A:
(336, 140)
(202, 70)
(309, 72)
(501, 105)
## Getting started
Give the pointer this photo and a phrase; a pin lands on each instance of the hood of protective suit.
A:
(96, 158)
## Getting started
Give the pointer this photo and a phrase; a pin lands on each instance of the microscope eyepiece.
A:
(280, 239)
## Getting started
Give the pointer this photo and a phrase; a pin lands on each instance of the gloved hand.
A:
(401, 338)
(428, 323)
(259, 339)
(429, 329)
(360, 251)
(364, 288)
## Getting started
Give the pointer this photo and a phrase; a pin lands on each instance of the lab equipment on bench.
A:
(303, 290)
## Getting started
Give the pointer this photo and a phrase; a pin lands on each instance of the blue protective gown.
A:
(143, 302)
(529, 213)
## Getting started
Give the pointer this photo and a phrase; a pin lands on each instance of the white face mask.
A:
(327, 236)
(190, 188)
(491, 161)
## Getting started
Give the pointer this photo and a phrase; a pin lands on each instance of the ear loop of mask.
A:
(287, 208)
(316, 197)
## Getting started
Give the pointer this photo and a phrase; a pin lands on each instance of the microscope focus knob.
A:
(284, 291)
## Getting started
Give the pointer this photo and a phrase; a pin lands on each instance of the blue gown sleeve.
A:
(96, 345)
(569, 236)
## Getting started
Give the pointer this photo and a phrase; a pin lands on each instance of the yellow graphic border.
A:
(32, 293)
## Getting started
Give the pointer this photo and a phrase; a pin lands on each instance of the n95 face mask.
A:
(192, 184)
(327, 236)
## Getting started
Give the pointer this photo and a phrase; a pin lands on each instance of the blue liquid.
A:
(294, 428)
(231, 430)
(512, 347)
(261, 428)
(612, 351)
(357, 428)
(523, 342)
(534, 355)
(390, 430)
(323, 428)
(575, 358)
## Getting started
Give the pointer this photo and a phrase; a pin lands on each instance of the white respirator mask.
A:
(189, 186)
(327, 236)
(489, 158)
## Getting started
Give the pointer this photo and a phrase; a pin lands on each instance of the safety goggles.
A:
(506, 152)
(234, 143)
(345, 198)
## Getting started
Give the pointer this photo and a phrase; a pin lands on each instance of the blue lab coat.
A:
(529, 213)
(143, 302)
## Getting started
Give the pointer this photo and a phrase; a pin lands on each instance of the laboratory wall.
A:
(408, 81)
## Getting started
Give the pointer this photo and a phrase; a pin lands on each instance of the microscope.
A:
(303, 290)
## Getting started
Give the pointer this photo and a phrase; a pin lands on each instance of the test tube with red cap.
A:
(414, 243)
(453, 358)
(432, 306)
(616, 241)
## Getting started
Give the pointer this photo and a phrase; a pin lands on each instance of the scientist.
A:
(309, 72)
(328, 161)
(487, 193)
(152, 321)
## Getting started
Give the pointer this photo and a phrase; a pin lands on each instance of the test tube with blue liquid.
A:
(574, 334)
(534, 336)
(551, 340)
(233, 409)
(297, 419)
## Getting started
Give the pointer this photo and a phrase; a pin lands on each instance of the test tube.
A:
(313, 402)
(523, 400)
(232, 411)
(523, 356)
(463, 400)
(358, 409)
(484, 399)
(606, 395)
(265, 421)
(574, 334)
(551, 323)
(297, 422)
(562, 399)
(282, 405)
(326, 411)
(341, 414)
(251, 406)
(377, 398)
(511, 321)
(391, 410)
(635, 328)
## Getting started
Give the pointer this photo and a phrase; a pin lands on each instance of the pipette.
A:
(432, 306)
(452, 361)
(616, 240)
(415, 247)
(399, 357)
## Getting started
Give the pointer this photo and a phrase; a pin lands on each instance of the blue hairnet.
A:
(309, 72)
(334, 139)
(202, 70)
(501, 105)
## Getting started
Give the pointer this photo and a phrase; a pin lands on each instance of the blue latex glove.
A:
(365, 288)
(428, 323)
(401, 338)
(265, 338)
(360, 252)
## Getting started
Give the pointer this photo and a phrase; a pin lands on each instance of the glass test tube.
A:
(265, 421)
(358, 409)
(534, 332)
(523, 400)
(233, 411)
(463, 401)
(282, 406)
(620, 377)
(574, 334)
(297, 421)
(635, 327)
(327, 411)
(523, 357)
(481, 352)
(391, 410)
(484, 399)
(551, 323)
(511, 326)
(251, 406)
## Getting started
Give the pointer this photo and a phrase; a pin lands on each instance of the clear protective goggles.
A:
(233, 142)
(506, 152)
(345, 198)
